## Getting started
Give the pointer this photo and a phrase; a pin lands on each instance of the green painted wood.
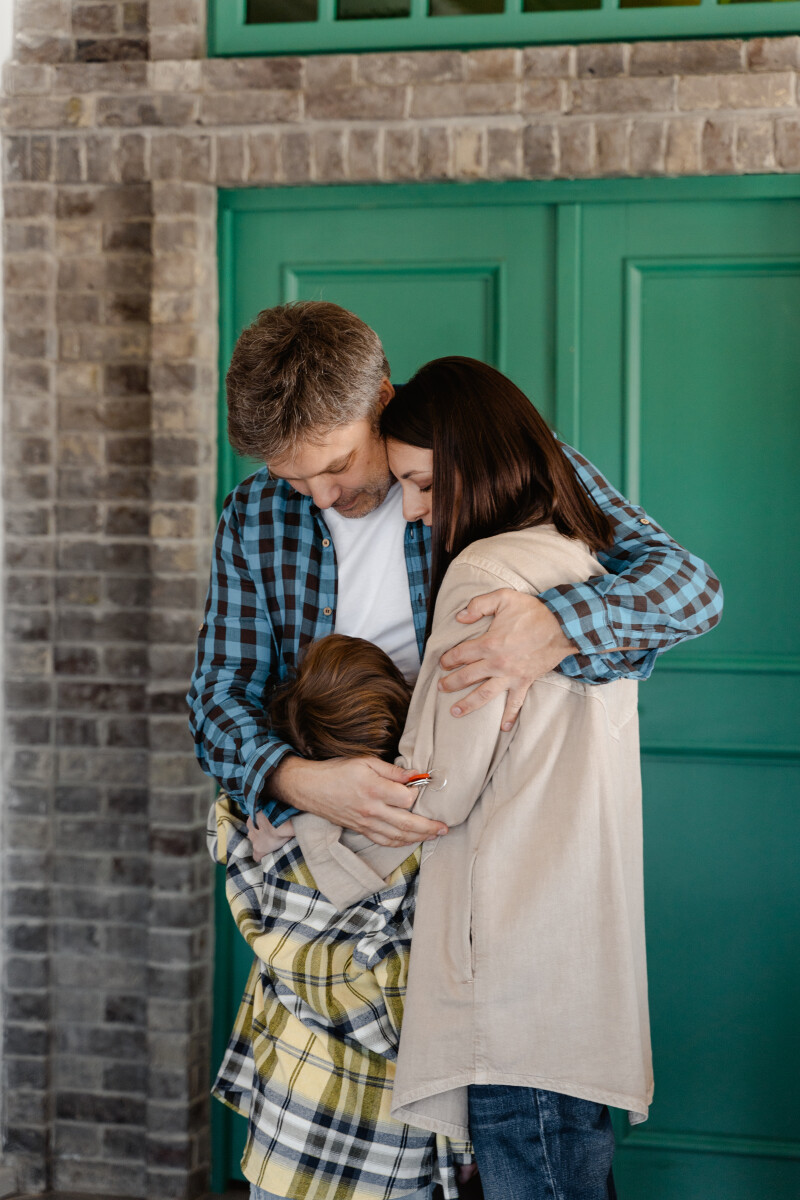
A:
(655, 322)
(230, 33)
(689, 319)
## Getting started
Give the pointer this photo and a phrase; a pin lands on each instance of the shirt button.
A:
(644, 521)
(327, 611)
(326, 542)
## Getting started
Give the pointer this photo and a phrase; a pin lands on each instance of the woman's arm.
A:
(464, 752)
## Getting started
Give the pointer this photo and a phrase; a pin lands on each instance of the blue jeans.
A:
(537, 1145)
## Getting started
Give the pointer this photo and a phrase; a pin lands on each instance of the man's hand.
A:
(265, 838)
(523, 642)
(364, 794)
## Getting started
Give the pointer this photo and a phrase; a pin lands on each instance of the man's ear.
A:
(386, 392)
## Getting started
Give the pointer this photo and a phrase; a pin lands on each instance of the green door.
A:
(656, 324)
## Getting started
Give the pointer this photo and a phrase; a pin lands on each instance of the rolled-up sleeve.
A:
(236, 670)
(656, 594)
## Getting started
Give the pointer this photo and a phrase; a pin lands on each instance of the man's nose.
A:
(325, 495)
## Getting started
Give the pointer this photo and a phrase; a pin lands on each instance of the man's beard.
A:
(365, 500)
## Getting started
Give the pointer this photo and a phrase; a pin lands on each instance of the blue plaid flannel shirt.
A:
(273, 590)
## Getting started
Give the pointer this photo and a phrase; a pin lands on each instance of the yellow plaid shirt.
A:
(310, 1061)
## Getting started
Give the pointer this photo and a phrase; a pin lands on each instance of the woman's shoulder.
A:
(532, 559)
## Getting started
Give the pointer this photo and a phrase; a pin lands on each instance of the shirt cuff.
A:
(583, 616)
(258, 766)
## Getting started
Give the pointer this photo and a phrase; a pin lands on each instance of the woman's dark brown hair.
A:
(496, 465)
(348, 699)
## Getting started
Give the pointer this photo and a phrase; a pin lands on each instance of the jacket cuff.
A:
(344, 877)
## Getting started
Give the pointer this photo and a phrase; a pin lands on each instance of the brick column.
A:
(183, 380)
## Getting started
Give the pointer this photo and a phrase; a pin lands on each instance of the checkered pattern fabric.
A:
(310, 1062)
(273, 590)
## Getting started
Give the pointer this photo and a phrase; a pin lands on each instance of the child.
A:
(311, 1059)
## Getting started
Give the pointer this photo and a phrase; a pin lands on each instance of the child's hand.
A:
(466, 1172)
(265, 838)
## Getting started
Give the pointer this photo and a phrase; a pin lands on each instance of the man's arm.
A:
(236, 669)
(612, 626)
(656, 594)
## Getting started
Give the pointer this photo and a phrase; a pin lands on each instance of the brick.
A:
(19, 236)
(252, 74)
(495, 64)
(548, 62)
(576, 149)
(357, 103)
(648, 147)
(463, 99)
(363, 150)
(250, 108)
(504, 152)
(429, 66)
(95, 18)
(333, 71)
(755, 146)
(773, 54)
(146, 110)
(717, 144)
(135, 16)
(400, 154)
(230, 158)
(774, 90)
(42, 48)
(686, 57)
(434, 152)
(542, 96)
(683, 150)
(262, 157)
(295, 157)
(622, 95)
(172, 44)
(180, 76)
(27, 80)
(102, 155)
(539, 151)
(100, 77)
(787, 143)
(603, 60)
(108, 49)
(468, 150)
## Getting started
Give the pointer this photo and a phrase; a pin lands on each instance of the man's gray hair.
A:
(297, 372)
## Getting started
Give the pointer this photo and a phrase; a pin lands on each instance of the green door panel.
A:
(657, 324)
(696, 411)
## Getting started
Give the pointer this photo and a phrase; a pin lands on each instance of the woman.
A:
(310, 1064)
(526, 1012)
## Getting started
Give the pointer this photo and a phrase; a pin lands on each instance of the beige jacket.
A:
(528, 956)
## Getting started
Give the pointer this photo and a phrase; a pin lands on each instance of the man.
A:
(316, 542)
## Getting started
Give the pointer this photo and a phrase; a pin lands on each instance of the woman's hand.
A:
(523, 642)
(265, 838)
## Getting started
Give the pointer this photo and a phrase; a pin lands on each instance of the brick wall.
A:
(117, 134)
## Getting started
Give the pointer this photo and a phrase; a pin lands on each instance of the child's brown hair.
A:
(347, 700)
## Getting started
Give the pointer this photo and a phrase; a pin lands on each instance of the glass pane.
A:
(351, 9)
(269, 12)
(559, 5)
(461, 8)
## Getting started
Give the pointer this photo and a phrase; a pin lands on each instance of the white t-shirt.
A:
(373, 598)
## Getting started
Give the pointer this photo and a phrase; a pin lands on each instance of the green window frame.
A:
(230, 33)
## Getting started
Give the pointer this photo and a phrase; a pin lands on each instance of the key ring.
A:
(435, 778)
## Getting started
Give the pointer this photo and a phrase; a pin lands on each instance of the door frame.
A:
(567, 196)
